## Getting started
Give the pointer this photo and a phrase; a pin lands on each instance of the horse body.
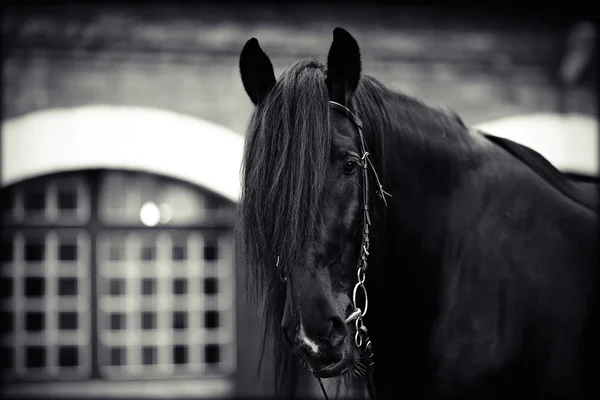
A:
(495, 273)
(485, 261)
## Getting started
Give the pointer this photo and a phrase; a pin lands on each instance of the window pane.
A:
(179, 253)
(118, 286)
(148, 320)
(180, 354)
(72, 199)
(67, 321)
(7, 356)
(211, 353)
(117, 321)
(149, 355)
(211, 252)
(67, 252)
(7, 322)
(118, 356)
(35, 357)
(35, 287)
(68, 356)
(6, 287)
(35, 321)
(34, 200)
(179, 320)
(67, 200)
(67, 287)
(6, 249)
(211, 286)
(179, 286)
(148, 286)
(211, 319)
(34, 250)
(148, 253)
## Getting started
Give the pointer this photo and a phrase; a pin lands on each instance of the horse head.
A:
(304, 205)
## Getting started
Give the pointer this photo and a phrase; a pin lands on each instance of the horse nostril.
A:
(338, 331)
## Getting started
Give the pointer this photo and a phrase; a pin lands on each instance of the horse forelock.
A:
(283, 172)
(284, 166)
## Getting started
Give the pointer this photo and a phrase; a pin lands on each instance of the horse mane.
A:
(283, 172)
(547, 171)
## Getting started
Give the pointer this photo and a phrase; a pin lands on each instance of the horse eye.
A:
(349, 168)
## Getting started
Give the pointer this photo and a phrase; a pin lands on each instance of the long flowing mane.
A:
(286, 155)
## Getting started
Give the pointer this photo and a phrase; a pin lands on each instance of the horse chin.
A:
(333, 370)
(348, 365)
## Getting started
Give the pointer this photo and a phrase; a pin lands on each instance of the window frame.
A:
(94, 227)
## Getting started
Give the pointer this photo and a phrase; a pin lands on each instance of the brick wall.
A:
(186, 60)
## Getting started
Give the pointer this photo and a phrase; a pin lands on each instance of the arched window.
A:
(117, 258)
(115, 274)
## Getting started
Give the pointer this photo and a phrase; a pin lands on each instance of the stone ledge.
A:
(140, 389)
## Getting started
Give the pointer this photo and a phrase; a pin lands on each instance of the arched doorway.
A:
(129, 211)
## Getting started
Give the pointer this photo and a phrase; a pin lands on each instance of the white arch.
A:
(210, 155)
(122, 137)
(569, 142)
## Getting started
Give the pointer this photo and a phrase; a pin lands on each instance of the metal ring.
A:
(362, 263)
(366, 251)
(368, 351)
(358, 323)
(361, 275)
(366, 297)
(358, 340)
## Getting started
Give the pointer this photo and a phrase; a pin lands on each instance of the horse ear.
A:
(256, 71)
(343, 66)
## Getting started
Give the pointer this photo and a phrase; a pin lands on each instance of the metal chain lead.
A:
(361, 337)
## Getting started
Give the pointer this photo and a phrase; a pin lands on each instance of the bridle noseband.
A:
(361, 337)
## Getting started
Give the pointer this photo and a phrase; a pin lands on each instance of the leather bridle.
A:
(361, 337)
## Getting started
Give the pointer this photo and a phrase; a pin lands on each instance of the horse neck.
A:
(408, 240)
(455, 191)
(458, 204)
(423, 160)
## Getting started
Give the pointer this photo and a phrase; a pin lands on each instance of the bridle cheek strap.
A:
(365, 156)
(361, 338)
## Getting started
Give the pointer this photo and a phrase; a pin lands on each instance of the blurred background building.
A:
(122, 135)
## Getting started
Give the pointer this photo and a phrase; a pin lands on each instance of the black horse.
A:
(478, 257)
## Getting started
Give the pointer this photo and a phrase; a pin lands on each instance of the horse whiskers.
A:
(355, 370)
(303, 363)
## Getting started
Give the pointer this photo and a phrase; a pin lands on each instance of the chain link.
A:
(361, 336)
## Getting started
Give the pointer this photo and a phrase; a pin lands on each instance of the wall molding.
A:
(122, 137)
(568, 141)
